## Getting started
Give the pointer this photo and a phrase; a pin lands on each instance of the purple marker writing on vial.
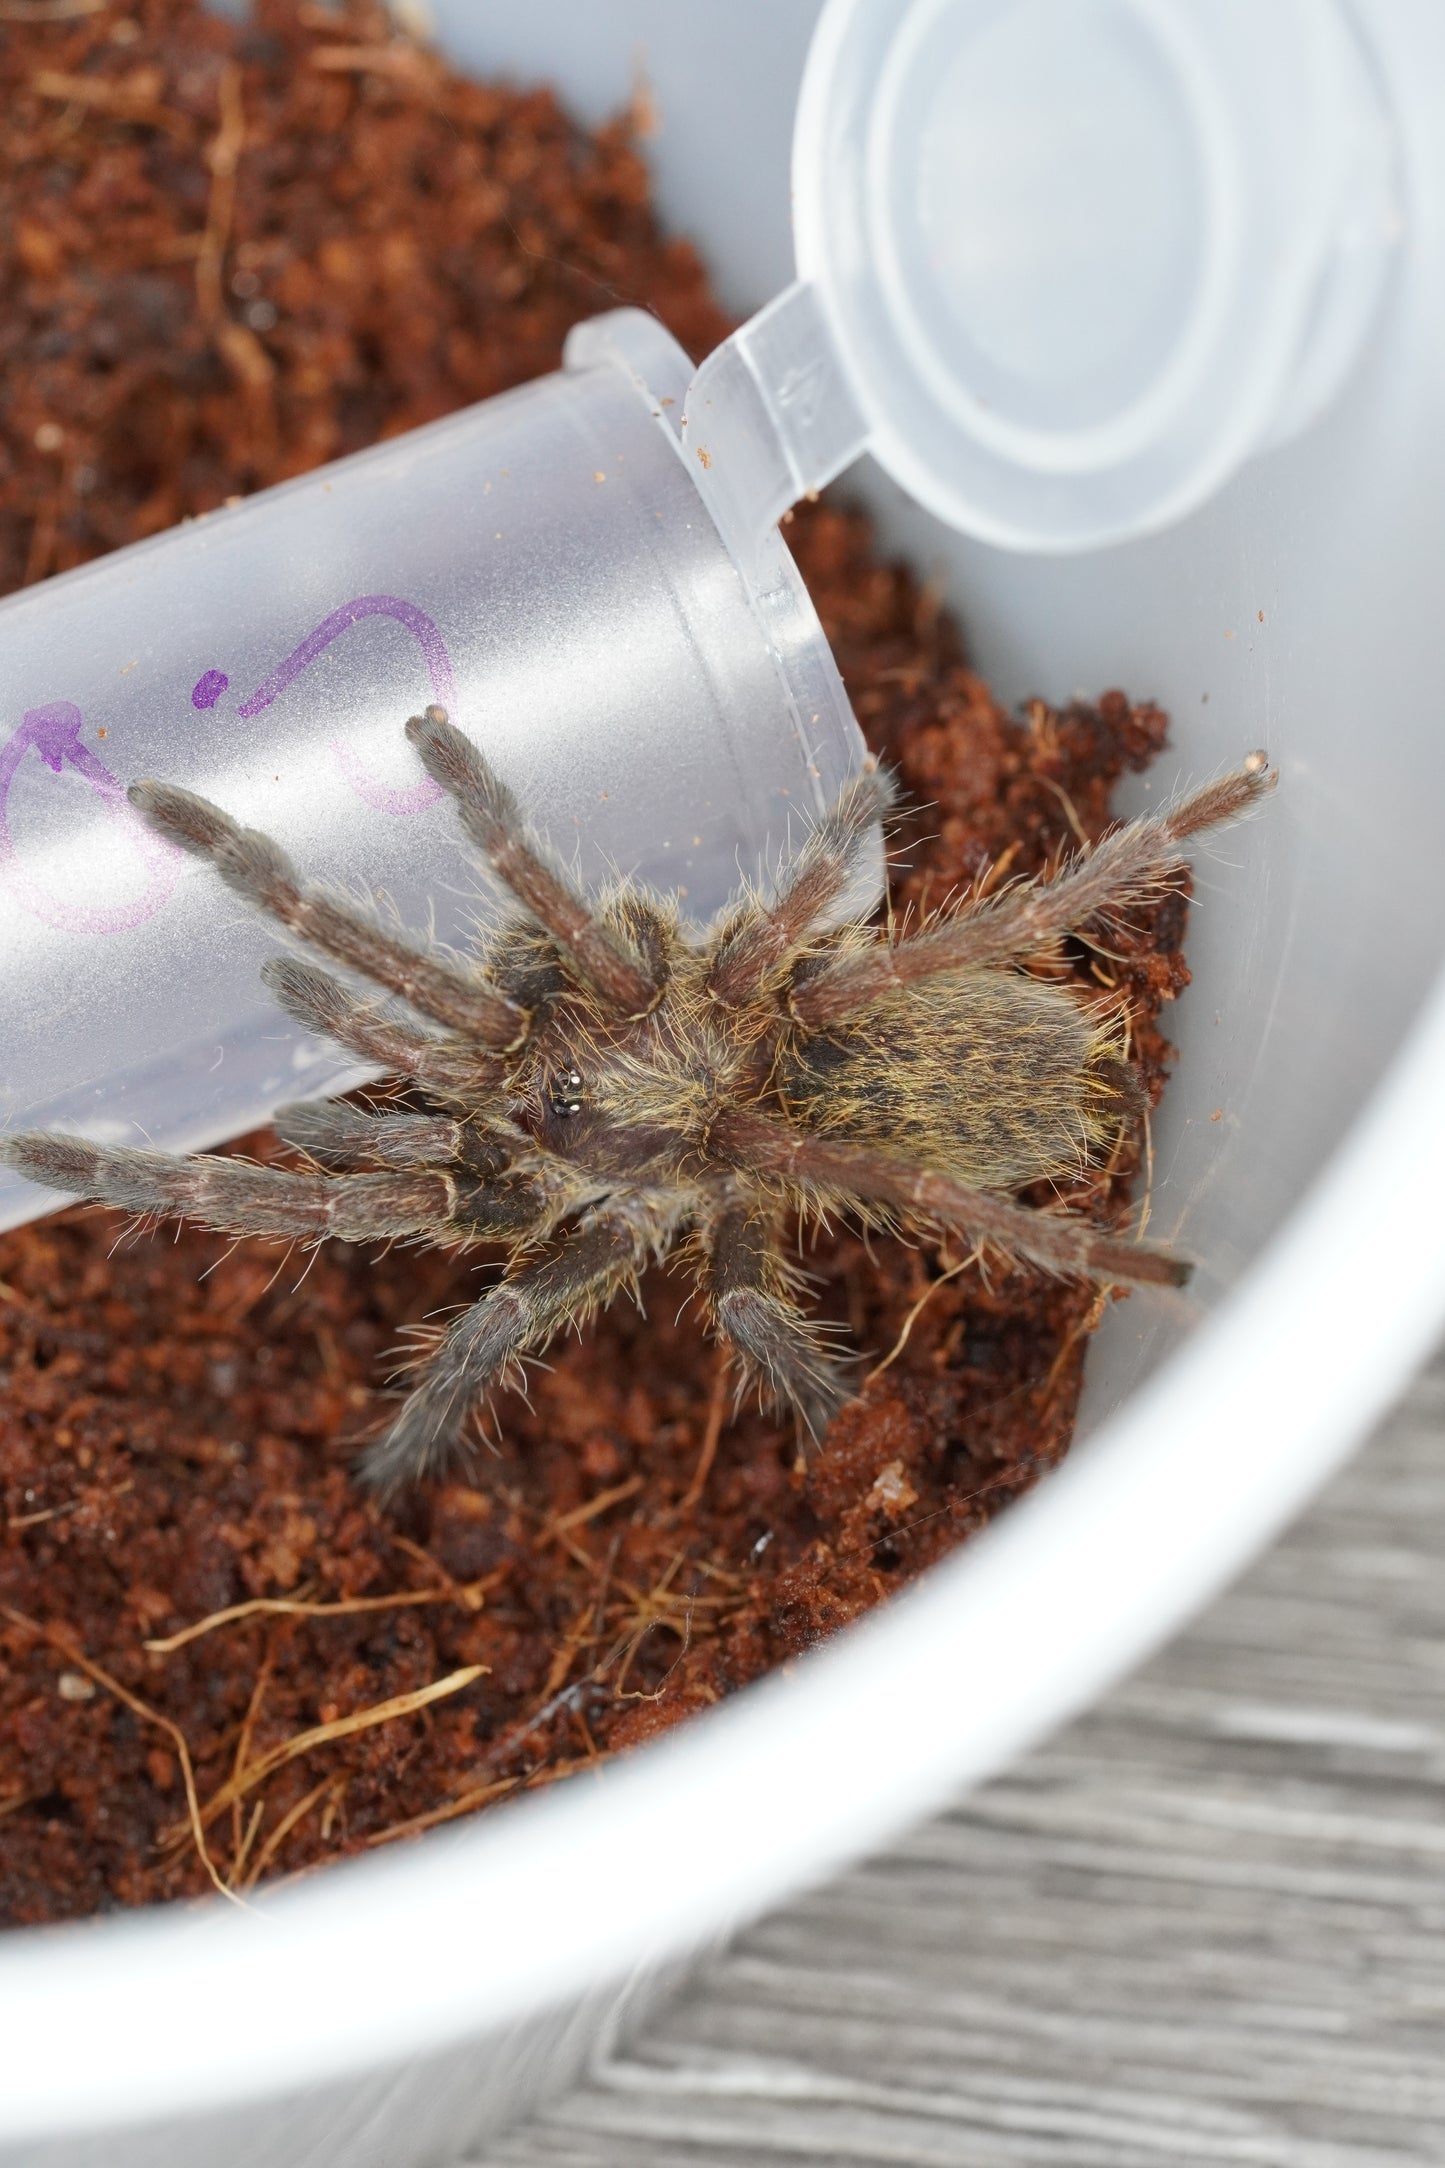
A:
(379, 795)
(54, 733)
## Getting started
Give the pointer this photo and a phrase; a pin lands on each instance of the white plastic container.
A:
(395, 2010)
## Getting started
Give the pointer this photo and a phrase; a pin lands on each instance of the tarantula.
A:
(600, 1081)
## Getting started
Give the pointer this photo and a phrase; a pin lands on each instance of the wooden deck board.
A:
(1204, 1926)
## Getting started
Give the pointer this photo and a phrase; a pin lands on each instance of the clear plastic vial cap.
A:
(1064, 265)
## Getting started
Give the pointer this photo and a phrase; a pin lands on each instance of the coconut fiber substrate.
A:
(226, 255)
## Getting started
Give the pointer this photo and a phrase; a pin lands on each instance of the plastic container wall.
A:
(542, 566)
(1296, 611)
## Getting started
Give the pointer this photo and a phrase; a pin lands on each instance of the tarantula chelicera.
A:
(601, 1081)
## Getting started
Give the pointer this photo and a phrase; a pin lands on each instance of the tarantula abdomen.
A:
(996, 1078)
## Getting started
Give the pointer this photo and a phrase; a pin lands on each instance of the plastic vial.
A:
(544, 567)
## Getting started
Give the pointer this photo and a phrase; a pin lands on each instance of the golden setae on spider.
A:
(602, 1081)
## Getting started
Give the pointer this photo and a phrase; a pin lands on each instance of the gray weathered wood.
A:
(1205, 1925)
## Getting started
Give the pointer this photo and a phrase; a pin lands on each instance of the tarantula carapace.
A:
(601, 1081)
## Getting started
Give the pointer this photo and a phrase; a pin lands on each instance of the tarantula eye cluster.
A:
(600, 1080)
(565, 1093)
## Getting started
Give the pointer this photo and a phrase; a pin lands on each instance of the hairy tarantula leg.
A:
(491, 817)
(259, 870)
(340, 1135)
(521, 1313)
(782, 1352)
(830, 1172)
(1122, 869)
(761, 937)
(238, 1199)
(488, 1199)
(450, 1066)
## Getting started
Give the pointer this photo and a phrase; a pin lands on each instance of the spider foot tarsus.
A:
(783, 1354)
(517, 1317)
(758, 939)
(493, 820)
(783, 1357)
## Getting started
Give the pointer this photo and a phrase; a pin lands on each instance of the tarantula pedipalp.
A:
(604, 1082)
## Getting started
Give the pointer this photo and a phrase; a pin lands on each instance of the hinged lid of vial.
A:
(1063, 264)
